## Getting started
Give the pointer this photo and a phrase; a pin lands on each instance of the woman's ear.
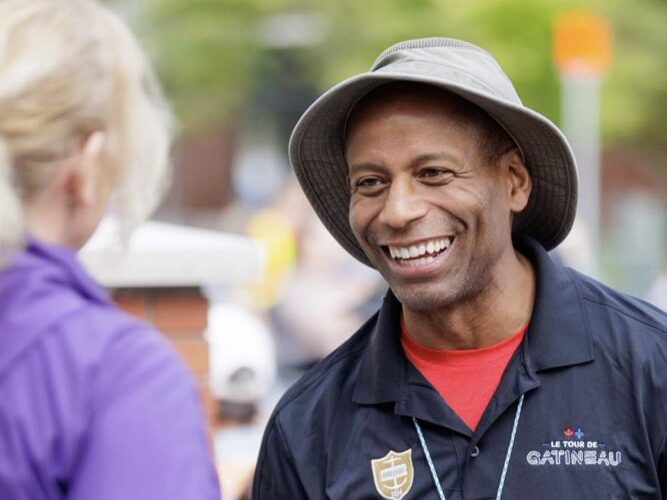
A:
(82, 178)
(93, 147)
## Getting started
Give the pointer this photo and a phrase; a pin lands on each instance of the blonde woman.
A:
(93, 404)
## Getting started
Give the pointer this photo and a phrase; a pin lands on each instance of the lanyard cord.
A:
(509, 448)
(428, 459)
(503, 475)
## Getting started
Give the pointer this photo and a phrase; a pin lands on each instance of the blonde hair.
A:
(69, 68)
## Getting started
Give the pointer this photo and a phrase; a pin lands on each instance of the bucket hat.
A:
(317, 144)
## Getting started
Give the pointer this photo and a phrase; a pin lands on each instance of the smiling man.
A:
(431, 207)
(490, 371)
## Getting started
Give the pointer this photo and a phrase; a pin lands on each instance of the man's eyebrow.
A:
(442, 155)
(424, 158)
(365, 166)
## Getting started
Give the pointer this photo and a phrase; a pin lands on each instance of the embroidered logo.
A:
(393, 474)
(574, 450)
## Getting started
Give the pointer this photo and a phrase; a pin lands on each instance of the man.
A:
(490, 371)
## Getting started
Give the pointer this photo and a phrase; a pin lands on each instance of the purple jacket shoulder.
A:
(93, 403)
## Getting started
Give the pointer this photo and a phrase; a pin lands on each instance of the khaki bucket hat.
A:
(317, 149)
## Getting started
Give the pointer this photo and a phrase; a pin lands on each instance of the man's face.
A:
(430, 212)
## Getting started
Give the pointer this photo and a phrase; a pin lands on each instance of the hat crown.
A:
(454, 60)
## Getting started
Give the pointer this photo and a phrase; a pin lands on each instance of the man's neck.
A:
(492, 316)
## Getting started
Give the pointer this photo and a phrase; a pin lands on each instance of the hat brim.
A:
(317, 154)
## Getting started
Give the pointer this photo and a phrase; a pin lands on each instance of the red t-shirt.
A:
(465, 378)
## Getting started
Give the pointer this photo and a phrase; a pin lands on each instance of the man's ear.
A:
(520, 182)
(83, 171)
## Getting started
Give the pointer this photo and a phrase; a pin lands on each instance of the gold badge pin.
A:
(393, 474)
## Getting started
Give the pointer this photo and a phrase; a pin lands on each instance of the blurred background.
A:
(239, 73)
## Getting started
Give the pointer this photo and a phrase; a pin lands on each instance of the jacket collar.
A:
(383, 364)
(65, 269)
(557, 336)
(40, 287)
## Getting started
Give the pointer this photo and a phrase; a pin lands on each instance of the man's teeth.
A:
(425, 250)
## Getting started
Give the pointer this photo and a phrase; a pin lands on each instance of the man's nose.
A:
(402, 205)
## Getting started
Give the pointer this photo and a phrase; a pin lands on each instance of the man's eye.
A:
(368, 181)
(436, 174)
(367, 184)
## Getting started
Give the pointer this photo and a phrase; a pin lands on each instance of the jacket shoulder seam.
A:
(313, 381)
(606, 305)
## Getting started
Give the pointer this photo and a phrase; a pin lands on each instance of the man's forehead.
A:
(404, 97)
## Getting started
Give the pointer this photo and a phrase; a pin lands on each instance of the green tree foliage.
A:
(210, 56)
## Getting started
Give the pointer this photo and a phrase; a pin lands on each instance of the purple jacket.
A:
(93, 403)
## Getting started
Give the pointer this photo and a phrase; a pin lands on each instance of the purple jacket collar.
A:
(41, 286)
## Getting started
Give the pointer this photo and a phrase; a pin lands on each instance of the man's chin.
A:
(423, 301)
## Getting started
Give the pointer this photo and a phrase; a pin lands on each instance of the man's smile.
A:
(418, 256)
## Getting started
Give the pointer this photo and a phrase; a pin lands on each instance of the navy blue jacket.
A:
(593, 424)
